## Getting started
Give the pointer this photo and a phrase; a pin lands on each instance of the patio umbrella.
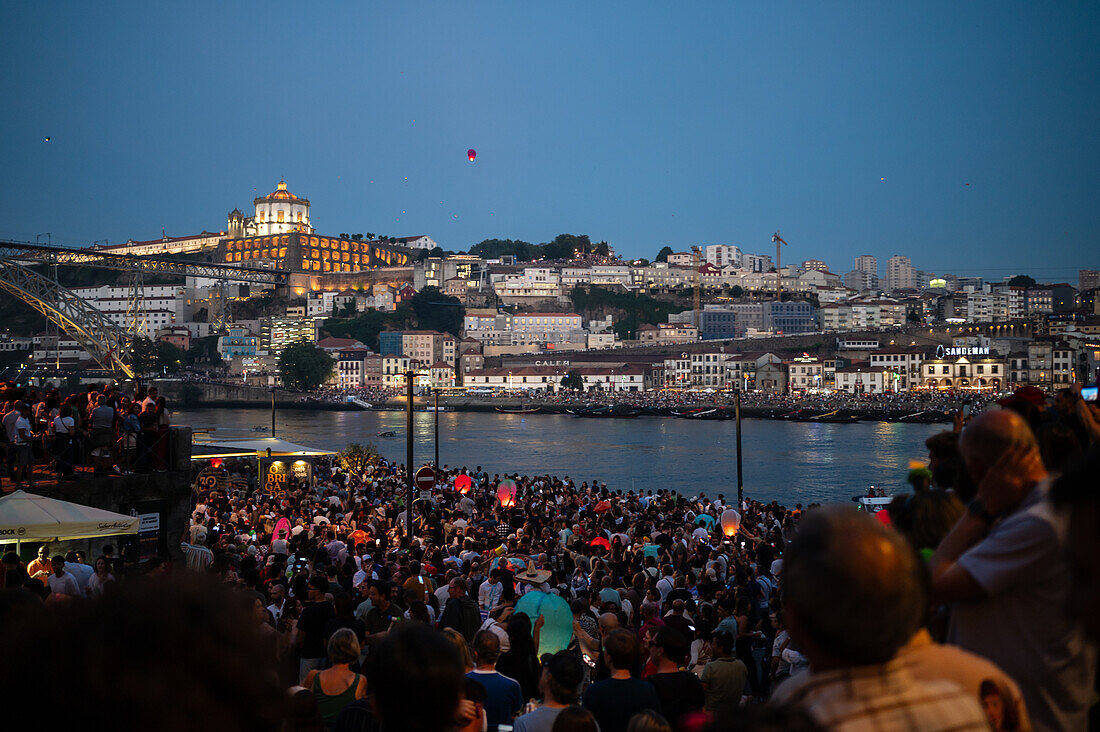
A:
(30, 517)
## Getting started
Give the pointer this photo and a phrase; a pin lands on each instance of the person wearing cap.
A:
(560, 684)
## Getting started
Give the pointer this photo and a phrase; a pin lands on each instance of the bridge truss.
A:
(109, 344)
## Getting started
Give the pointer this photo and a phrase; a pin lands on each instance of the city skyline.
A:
(961, 138)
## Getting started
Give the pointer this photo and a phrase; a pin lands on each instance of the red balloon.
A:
(471, 154)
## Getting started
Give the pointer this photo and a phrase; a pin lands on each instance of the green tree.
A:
(572, 380)
(143, 356)
(1021, 281)
(495, 248)
(564, 246)
(662, 256)
(736, 291)
(304, 366)
(355, 458)
(435, 311)
(170, 357)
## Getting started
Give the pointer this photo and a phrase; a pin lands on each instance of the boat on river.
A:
(518, 410)
(619, 411)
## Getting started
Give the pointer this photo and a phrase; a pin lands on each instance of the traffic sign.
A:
(425, 478)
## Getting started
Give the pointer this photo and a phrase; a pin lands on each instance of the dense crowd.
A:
(100, 429)
(970, 603)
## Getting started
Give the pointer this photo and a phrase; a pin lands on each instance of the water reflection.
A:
(790, 462)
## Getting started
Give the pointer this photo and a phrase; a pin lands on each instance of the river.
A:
(791, 462)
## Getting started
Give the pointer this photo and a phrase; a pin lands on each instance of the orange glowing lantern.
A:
(471, 154)
(731, 522)
(463, 484)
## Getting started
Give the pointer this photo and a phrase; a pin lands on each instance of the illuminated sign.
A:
(551, 363)
(945, 351)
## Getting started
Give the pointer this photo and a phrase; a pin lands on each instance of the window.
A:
(280, 217)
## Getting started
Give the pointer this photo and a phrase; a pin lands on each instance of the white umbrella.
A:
(29, 517)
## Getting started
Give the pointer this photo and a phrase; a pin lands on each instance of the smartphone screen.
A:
(1088, 393)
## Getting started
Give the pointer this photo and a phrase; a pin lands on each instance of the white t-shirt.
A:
(63, 425)
(63, 585)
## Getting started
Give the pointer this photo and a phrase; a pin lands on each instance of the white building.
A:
(161, 305)
(722, 255)
(166, 245)
(279, 212)
(900, 274)
(757, 262)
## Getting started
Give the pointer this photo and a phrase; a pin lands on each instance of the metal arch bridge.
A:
(110, 345)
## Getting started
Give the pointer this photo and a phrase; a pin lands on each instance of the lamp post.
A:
(737, 418)
(273, 412)
(410, 375)
(436, 392)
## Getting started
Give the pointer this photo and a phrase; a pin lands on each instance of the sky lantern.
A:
(471, 154)
(506, 493)
(462, 484)
(601, 541)
(731, 522)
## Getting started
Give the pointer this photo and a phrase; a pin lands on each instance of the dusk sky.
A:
(965, 135)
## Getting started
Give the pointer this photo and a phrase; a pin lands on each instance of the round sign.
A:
(425, 478)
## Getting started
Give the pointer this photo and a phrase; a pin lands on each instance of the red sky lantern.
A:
(471, 154)
(601, 541)
(462, 484)
(506, 493)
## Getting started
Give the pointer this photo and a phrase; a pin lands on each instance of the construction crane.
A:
(777, 240)
(696, 314)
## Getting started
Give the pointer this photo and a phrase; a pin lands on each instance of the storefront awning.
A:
(260, 447)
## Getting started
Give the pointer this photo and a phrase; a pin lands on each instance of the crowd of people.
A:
(970, 603)
(101, 430)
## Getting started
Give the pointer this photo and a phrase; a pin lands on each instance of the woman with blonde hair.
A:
(461, 646)
(337, 686)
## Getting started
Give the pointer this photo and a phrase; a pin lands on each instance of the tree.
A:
(143, 356)
(662, 256)
(169, 357)
(736, 291)
(355, 458)
(1021, 281)
(304, 366)
(572, 380)
(496, 248)
(436, 311)
(564, 245)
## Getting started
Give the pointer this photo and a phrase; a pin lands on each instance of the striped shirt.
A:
(885, 697)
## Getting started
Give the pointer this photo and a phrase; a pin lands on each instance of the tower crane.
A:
(696, 314)
(777, 240)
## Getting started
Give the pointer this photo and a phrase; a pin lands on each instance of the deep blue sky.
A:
(643, 123)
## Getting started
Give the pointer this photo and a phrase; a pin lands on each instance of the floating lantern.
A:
(731, 522)
(601, 541)
(463, 484)
(506, 493)
(471, 154)
(603, 506)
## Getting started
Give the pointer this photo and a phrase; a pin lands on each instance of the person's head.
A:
(318, 586)
(925, 517)
(276, 591)
(379, 593)
(575, 718)
(607, 623)
(853, 593)
(44, 552)
(990, 435)
(725, 643)
(457, 640)
(668, 646)
(1058, 445)
(648, 720)
(457, 587)
(417, 679)
(1074, 493)
(486, 648)
(58, 563)
(998, 706)
(621, 649)
(343, 647)
(562, 676)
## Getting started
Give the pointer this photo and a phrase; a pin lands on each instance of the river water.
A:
(791, 462)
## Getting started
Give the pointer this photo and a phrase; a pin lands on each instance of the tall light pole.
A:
(737, 418)
(436, 391)
(410, 375)
(272, 412)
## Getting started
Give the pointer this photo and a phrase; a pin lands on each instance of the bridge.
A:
(29, 272)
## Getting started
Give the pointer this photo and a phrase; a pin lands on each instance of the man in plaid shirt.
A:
(852, 597)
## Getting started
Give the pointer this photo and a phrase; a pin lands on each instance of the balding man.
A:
(853, 596)
(1003, 566)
